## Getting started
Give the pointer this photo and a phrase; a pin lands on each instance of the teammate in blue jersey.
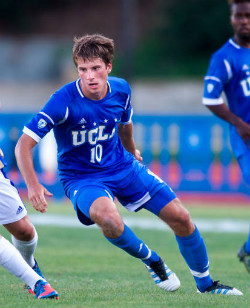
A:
(18, 259)
(98, 161)
(229, 71)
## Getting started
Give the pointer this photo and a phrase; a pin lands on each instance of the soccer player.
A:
(21, 262)
(229, 71)
(98, 160)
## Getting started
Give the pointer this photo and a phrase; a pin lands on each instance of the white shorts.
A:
(11, 206)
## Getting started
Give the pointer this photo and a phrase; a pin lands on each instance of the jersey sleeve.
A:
(128, 110)
(2, 162)
(55, 112)
(218, 74)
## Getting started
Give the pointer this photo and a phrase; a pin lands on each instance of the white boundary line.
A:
(207, 225)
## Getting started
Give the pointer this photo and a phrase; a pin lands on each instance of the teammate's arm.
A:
(125, 132)
(36, 192)
(223, 112)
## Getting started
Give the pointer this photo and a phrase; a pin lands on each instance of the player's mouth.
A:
(93, 85)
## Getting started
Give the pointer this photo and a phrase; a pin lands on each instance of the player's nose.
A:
(90, 75)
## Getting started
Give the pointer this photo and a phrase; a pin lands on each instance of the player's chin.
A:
(244, 35)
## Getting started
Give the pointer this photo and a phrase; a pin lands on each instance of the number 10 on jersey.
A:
(96, 154)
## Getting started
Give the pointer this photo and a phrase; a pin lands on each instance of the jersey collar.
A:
(80, 90)
(232, 42)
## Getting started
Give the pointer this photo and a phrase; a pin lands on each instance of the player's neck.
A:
(243, 43)
(95, 96)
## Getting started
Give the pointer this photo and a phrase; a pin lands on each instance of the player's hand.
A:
(138, 155)
(36, 194)
(244, 131)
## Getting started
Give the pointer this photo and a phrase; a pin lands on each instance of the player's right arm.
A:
(223, 112)
(53, 113)
(36, 191)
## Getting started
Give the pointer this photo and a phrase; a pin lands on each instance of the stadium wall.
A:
(191, 153)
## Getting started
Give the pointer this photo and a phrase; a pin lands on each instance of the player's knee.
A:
(181, 214)
(112, 225)
(22, 230)
(183, 225)
(110, 220)
(27, 234)
(106, 219)
(184, 218)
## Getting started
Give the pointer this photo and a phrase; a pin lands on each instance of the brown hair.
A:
(93, 46)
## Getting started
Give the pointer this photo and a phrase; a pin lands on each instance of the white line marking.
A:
(207, 225)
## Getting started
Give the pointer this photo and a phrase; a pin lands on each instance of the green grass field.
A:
(89, 272)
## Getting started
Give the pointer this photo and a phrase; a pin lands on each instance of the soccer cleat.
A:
(244, 257)
(43, 290)
(163, 276)
(36, 268)
(217, 288)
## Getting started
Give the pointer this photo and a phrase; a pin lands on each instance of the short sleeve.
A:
(128, 110)
(53, 113)
(218, 74)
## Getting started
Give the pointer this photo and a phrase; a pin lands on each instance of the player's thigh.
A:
(177, 217)
(143, 184)
(103, 211)
(97, 205)
(165, 204)
(174, 211)
(158, 201)
(87, 195)
(169, 208)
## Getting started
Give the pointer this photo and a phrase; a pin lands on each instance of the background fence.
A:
(191, 153)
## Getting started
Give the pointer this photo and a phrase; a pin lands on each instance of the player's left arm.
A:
(125, 132)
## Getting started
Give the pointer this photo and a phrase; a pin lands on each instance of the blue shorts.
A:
(135, 188)
(244, 162)
(241, 152)
(238, 145)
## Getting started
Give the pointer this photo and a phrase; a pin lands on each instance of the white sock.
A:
(26, 249)
(12, 261)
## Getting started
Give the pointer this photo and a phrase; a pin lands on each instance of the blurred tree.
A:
(153, 38)
(184, 37)
(17, 15)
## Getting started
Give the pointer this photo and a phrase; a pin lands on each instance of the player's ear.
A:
(109, 67)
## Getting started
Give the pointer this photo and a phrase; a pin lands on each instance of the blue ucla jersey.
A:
(85, 130)
(229, 72)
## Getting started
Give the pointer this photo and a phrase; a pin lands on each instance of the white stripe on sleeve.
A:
(212, 101)
(30, 133)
